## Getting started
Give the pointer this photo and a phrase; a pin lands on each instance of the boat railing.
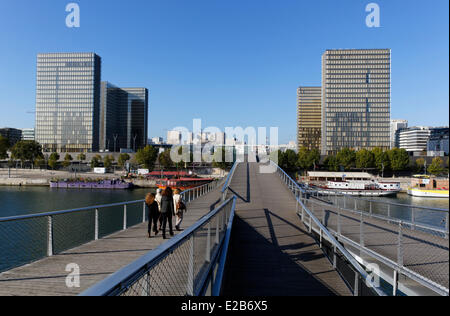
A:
(27, 238)
(405, 255)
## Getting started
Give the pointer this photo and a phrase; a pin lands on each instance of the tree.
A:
(4, 146)
(436, 167)
(219, 160)
(331, 163)
(289, 160)
(420, 165)
(165, 160)
(67, 160)
(108, 161)
(123, 158)
(53, 160)
(381, 159)
(26, 150)
(365, 159)
(307, 158)
(346, 158)
(81, 157)
(95, 161)
(398, 159)
(147, 157)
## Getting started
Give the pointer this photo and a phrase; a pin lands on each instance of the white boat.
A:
(360, 188)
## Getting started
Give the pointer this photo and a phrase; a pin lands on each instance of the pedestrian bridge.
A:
(256, 233)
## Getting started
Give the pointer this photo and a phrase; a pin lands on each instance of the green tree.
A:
(346, 158)
(123, 158)
(398, 159)
(4, 146)
(108, 161)
(219, 159)
(147, 157)
(307, 158)
(81, 157)
(331, 163)
(165, 160)
(436, 168)
(382, 162)
(290, 159)
(365, 159)
(39, 162)
(96, 161)
(420, 165)
(53, 160)
(67, 160)
(26, 150)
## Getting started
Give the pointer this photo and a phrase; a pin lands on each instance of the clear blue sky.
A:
(229, 62)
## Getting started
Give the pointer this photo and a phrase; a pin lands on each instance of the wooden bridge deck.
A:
(271, 253)
(97, 260)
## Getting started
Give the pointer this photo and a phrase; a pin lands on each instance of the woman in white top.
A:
(158, 200)
(179, 212)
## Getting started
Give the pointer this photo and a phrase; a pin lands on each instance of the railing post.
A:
(217, 228)
(356, 290)
(208, 244)
(125, 217)
(413, 219)
(361, 232)
(96, 224)
(49, 236)
(190, 276)
(339, 224)
(446, 225)
(389, 212)
(395, 285)
(356, 206)
(400, 245)
(143, 213)
(370, 208)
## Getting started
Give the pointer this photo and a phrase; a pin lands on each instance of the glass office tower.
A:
(356, 99)
(123, 118)
(68, 102)
(309, 117)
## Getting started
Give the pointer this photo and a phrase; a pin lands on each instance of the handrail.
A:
(331, 238)
(124, 278)
(228, 180)
(398, 268)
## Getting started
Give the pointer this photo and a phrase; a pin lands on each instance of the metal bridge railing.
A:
(432, 220)
(358, 280)
(190, 264)
(228, 181)
(409, 251)
(28, 238)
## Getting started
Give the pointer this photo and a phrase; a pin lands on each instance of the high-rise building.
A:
(356, 99)
(309, 117)
(68, 102)
(397, 125)
(123, 117)
(13, 134)
(28, 134)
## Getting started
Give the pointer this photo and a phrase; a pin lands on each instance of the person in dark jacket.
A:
(153, 214)
(167, 211)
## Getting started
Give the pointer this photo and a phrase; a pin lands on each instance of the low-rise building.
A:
(13, 134)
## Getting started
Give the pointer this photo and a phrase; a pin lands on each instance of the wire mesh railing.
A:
(190, 264)
(410, 249)
(432, 220)
(28, 238)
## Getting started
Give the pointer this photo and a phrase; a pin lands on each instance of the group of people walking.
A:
(162, 207)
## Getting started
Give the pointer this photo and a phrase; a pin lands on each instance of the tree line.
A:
(375, 160)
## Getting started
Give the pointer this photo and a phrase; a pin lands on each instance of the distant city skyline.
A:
(229, 67)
